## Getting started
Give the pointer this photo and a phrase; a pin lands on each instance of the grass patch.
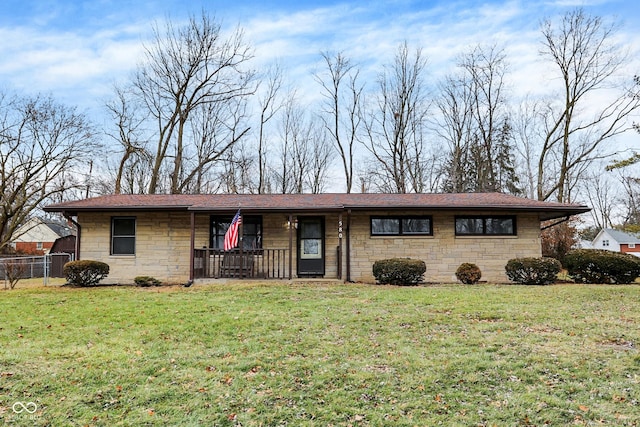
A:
(316, 355)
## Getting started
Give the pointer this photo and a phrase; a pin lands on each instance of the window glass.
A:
(469, 226)
(123, 236)
(416, 226)
(310, 230)
(400, 225)
(251, 231)
(385, 226)
(499, 225)
(486, 225)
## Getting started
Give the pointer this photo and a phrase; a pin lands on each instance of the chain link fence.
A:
(29, 267)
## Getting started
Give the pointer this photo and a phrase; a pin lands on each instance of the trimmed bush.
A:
(600, 266)
(533, 271)
(146, 281)
(468, 273)
(85, 272)
(399, 271)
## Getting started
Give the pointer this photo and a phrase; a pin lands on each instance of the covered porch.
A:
(271, 246)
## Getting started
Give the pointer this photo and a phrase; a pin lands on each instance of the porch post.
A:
(192, 245)
(340, 231)
(348, 245)
(290, 245)
(240, 245)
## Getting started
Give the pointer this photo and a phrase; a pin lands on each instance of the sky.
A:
(76, 50)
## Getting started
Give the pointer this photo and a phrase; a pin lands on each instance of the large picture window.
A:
(251, 231)
(123, 236)
(485, 226)
(401, 225)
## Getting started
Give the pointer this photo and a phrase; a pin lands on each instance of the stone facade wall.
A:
(163, 245)
(444, 251)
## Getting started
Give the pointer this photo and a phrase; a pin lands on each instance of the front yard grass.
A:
(318, 355)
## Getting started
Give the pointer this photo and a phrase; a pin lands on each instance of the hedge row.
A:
(583, 266)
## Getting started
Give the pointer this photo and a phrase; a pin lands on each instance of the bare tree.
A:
(396, 124)
(130, 133)
(269, 107)
(476, 124)
(186, 69)
(603, 198)
(341, 109)
(527, 133)
(303, 157)
(40, 141)
(583, 49)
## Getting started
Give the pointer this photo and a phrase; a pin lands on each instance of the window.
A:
(631, 246)
(401, 225)
(39, 246)
(123, 236)
(251, 231)
(485, 225)
(605, 242)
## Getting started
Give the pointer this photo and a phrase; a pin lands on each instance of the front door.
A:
(310, 246)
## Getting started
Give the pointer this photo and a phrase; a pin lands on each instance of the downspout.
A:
(78, 234)
(290, 246)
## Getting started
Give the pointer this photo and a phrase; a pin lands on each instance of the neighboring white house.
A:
(617, 241)
(37, 235)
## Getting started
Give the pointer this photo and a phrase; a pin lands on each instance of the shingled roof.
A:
(317, 202)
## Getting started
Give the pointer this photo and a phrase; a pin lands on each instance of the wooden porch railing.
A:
(250, 264)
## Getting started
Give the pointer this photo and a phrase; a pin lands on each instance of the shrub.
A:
(600, 266)
(533, 271)
(399, 271)
(146, 281)
(468, 273)
(85, 272)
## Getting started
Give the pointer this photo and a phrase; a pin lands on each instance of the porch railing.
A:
(250, 264)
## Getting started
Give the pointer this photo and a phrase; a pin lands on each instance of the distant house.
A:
(617, 241)
(176, 238)
(37, 236)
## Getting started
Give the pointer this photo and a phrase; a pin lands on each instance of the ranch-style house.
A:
(177, 238)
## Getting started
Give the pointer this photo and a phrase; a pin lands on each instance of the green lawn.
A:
(318, 355)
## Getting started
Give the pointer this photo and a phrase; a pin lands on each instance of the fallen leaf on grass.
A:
(583, 408)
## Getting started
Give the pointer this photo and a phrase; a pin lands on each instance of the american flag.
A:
(231, 236)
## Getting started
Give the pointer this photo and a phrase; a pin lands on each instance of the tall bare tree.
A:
(303, 157)
(396, 124)
(269, 104)
(40, 140)
(130, 133)
(475, 122)
(185, 69)
(584, 51)
(341, 108)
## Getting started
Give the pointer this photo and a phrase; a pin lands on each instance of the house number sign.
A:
(340, 229)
